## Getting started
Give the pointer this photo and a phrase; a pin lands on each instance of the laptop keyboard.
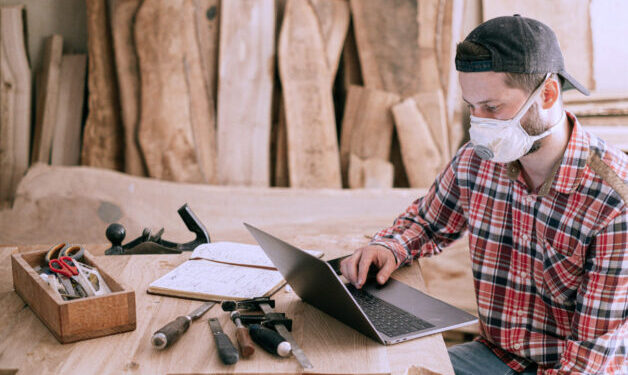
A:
(387, 318)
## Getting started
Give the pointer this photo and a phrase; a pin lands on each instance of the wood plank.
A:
(165, 130)
(450, 36)
(313, 158)
(103, 135)
(429, 74)
(66, 142)
(573, 29)
(386, 32)
(122, 22)
(15, 102)
(46, 112)
(367, 126)
(207, 29)
(351, 71)
(333, 18)
(202, 110)
(370, 173)
(421, 157)
(432, 105)
(245, 84)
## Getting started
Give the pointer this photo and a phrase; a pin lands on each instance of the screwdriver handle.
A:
(270, 340)
(170, 333)
(244, 341)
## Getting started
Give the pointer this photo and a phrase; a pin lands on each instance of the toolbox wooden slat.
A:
(76, 320)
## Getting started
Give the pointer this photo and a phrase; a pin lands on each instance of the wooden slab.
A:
(46, 111)
(122, 22)
(573, 29)
(15, 96)
(245, 84)
(333, 18)
(207, 29)
(386, 32)
(367, 125)
(421, 157)
(66, 142)
(103, 135)
(370, 173)
(313, 158)
(432, 105)
(165, 128)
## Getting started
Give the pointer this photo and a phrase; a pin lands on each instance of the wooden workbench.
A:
(76, 204)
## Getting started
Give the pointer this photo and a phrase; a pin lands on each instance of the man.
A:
(545, 206)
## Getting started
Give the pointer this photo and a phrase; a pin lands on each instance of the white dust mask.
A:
(504, 141)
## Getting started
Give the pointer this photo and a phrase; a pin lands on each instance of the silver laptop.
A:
(389, 314)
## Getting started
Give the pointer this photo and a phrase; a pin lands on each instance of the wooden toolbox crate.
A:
(78, 319)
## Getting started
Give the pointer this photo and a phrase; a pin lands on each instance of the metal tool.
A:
(170, 333)
(149, 243)
(270, 340)
(64, 266)
(242, 334)
(226, 351)
(265, 304)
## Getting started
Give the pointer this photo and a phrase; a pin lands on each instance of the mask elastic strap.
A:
(550, 130)
(531, 99)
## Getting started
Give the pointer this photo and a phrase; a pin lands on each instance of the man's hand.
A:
(355, 268)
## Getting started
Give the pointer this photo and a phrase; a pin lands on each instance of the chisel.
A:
(226, 351)
(170, 333)
(242, 334)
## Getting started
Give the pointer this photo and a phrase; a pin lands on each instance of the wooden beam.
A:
(387, 36)
(103, 135)
(15, 101)
(45, 114)
(367, 126)
(245, 86)
(66, 142)
(122, 23)
(165, 130)
(312, 142)
(421, 157)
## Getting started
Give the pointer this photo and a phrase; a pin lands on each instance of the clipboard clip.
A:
(149, 243)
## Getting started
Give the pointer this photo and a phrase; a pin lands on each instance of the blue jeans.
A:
(474, 358)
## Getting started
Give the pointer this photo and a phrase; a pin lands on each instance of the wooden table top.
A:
(331, 346)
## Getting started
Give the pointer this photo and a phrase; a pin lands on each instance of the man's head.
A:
(503, 61)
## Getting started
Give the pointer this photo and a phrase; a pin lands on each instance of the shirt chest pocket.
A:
(561, 274)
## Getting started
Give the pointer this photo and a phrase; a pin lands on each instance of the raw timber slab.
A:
(387, 35)
(432, 105)
(370, 173)
(333, 18)
(122, 23)
(207, 22)
(245, 87)
(47, 95)
(66, 142)
(103, 135)
(421, 157)
(15, 101)
(313, 159)
(175, 127)
(367, 125)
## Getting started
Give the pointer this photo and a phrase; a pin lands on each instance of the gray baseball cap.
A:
(519, 45)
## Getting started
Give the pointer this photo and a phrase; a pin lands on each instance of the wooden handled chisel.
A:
(242, 334)
(170, 333)
(226, 351)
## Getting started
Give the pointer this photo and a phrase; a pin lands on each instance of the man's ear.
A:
(551, 93)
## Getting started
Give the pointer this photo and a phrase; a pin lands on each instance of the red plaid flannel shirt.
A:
(550, 268)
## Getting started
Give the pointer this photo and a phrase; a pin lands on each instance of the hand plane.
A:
(149, 243)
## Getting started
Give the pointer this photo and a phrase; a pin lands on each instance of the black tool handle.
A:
(226, 351)
(172, 331)
(269, 340)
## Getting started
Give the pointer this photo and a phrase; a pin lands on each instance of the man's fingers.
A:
(349, 267)
(385, 272)
(363, 267)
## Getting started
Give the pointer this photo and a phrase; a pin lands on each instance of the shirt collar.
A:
(567, 175)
